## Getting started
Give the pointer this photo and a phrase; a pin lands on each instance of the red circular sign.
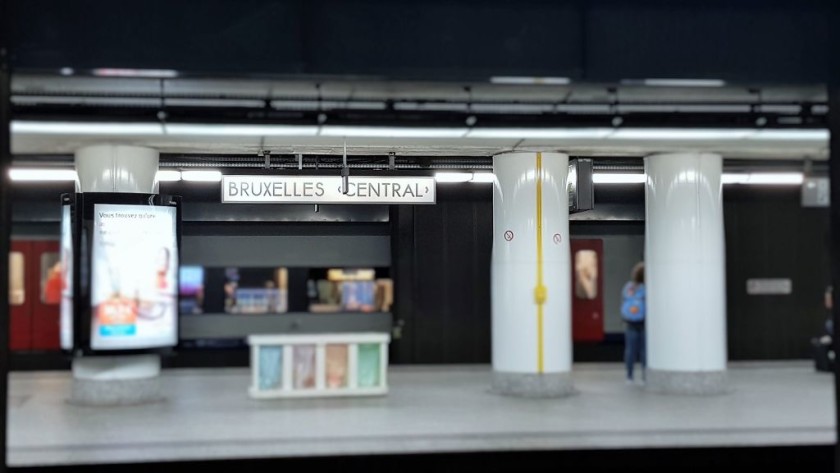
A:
(557, 238)
(508, 235)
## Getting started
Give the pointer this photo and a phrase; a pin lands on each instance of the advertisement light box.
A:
(134, 283)
(119, 273)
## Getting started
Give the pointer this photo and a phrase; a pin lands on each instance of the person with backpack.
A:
(633, 311)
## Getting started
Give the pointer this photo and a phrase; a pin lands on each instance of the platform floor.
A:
(207, 415)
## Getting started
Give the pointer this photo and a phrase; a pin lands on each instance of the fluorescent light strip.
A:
(188, 102)
(523, 108)
(680, 134)
(201, 176)
(519, 80)
(23, 127)
(85, 128)
(540, 133)
(168, 176)
(355, 105)
(618, 178)
(734, 178)
(755, 178)
(483, 178)
(582, 108)
(763, 178)
(392, 132)
(791, 135)
(453, 177)
(42, 175)
(684, 82)
(186, 129)
(432, 106)
(150, 73)
(103, 101)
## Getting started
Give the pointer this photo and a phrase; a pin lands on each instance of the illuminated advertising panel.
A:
(134, 265)
(66, 318)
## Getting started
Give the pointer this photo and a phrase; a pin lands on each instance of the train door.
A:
(45, 283)
(587, 290)
(20, 300)
(34, 295)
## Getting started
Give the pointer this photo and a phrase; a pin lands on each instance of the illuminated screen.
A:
(66, 319)
(134, 277)
(191, 288)
(192, 280)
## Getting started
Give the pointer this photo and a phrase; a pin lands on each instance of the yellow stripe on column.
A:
(540, 292)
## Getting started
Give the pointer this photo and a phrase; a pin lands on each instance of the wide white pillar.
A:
(125, 379)
(531, 275)
(685, 274)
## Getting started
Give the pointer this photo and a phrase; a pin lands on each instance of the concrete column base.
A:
(116, 380)
(698, 383)
(533, 385)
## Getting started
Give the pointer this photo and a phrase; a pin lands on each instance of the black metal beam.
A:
(5, 224)
(834, 174)
(749, 118)
(402, 272)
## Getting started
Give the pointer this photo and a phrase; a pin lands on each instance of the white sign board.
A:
(769, 286)
(255, 189)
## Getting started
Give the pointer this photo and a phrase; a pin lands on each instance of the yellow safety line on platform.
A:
(540, 291)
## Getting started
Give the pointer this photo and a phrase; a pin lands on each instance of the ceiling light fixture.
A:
(617, 178)
(680, 134)
(684, 82)
(791, 135)
(168, 175)
(392, 132)
(42, 175)
(453, 177)
(85, 128)
(483, 178)
(201, 176)
(754, 178)
(145, 73)
(26, 127)
(763, 178)
(520, 80)
(540, 133)
(188, 129)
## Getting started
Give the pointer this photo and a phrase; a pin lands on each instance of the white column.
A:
(127, 379)
(685, 274)
(117, 168)
(531, 275)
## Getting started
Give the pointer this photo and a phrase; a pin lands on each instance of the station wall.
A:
(440, 260)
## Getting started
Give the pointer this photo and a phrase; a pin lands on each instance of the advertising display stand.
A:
(120, 249)
(319, 365)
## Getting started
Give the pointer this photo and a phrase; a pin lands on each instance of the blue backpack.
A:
(633, 302)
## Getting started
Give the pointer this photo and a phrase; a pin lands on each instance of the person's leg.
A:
(629, 350)
(643, 352)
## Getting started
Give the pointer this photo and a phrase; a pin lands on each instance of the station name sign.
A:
(260, 189)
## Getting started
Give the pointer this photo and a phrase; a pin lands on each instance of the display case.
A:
(319, 365)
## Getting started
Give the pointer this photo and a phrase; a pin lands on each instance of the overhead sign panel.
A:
(256, 189)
